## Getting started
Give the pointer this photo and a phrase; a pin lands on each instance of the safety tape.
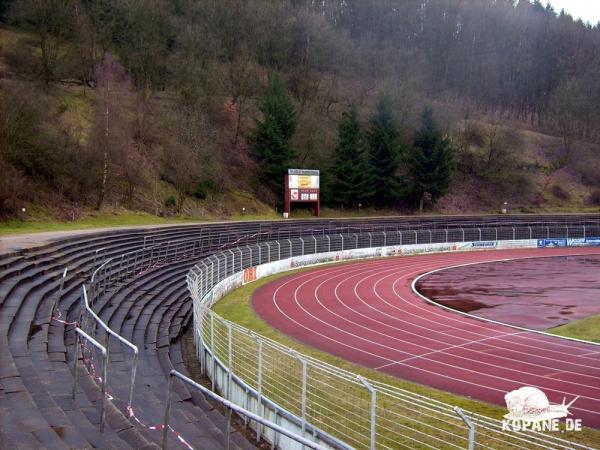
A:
(88, 361)
(58, 318)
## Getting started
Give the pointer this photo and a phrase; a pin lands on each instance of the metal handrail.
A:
(80, 333)
(117, 336)
(230, 407)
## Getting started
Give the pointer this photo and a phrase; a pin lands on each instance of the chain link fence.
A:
(334, 405)
(321, 400)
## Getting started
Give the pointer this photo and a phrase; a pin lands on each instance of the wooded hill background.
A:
(150, 104)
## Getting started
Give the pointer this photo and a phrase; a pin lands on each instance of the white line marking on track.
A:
(464, 344)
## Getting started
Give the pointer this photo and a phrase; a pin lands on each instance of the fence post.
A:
(584, 232)
(212, 352)
(229, 360)
(373, 441)
(259, 388)
(469, 424)
(304, 394)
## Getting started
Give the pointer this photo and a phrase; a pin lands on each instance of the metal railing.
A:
(337, 404)
(79, 333)
(234, 253)
(230, 407)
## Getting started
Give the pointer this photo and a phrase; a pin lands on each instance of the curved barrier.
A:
(142, 297)
(333, 406)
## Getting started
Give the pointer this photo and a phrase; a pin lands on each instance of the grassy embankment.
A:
(237, 308)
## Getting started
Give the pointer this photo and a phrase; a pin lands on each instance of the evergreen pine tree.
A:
(384, 155)
(350, 170)
(431, 161)
(270, 141)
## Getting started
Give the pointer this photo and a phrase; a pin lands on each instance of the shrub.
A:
(203, 188)
(170, 201)
(595, 197)
(560, 193)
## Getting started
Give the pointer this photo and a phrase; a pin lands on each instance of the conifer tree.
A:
(431, 161)
(350, 182)
(384, 155)
(270, 141)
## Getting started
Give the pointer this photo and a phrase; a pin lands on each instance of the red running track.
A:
(367, 313)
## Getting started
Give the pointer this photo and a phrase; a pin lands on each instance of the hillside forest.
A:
(198, 107)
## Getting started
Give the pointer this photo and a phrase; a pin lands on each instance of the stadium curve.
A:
(151, 309)
(367, 313)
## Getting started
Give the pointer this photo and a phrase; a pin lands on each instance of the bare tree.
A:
(110, 135)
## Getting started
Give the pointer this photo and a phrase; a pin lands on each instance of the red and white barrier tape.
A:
(92, 371)
(58, 318)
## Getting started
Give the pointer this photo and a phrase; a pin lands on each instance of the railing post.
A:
(259, 388)
(133, 373)
(76, 359)
(212, 352)
(165, 430)
(227, 433)
(469, 424)
(60, 291)
(373, 392)
(584, 232)
(104, 382)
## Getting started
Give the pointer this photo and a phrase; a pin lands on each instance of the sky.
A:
(586, 10)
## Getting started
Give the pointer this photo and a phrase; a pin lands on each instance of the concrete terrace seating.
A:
(36, 409)
(150, 310)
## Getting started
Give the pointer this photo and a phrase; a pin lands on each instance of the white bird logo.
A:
(531, 404)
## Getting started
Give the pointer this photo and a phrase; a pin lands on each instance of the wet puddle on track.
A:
(536, 293)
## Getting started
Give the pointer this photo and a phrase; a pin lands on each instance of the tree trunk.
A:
(103, 183)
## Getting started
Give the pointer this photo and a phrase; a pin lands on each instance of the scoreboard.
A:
(302, 186)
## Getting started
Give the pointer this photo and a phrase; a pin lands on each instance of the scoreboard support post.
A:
(302, 186)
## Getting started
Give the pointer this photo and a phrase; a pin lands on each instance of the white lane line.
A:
(449, 348)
